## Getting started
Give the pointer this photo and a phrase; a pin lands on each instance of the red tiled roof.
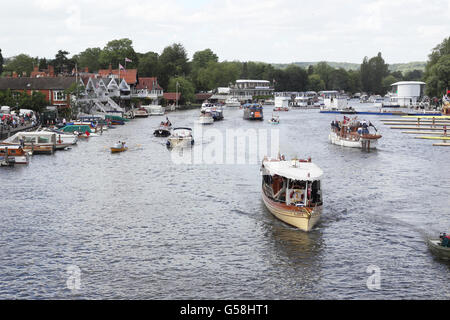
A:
(171, 95)
(130, 75)
(203, 96)
(148, 83)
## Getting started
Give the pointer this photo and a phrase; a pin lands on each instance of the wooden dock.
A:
(417, 128)
(433, 138)
(442, 144)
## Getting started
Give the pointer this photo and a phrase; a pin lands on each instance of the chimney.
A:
(51, 71)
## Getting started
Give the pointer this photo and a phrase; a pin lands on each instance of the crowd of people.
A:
(10, 122)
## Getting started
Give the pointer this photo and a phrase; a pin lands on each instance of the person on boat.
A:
(445, 240)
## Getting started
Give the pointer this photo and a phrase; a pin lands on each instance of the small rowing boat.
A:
(119, 147)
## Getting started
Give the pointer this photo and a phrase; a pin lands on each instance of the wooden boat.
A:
(291, 191)
(440, 247)
(36, 142)
(353, 133)
(180, 137)
(119, 147)
(253, 111)
(14, 153)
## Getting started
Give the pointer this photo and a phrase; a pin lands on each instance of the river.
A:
(138, 225)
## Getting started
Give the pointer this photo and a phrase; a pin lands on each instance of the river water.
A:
(139, 225)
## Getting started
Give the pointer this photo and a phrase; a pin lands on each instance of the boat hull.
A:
(438, 250)
(117, 150)
(361, 143)
(206, 120)
(303, 218)
(179, 142)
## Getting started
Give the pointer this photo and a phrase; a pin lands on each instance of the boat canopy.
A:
(294, 169)
(79, 128)
(115, 118)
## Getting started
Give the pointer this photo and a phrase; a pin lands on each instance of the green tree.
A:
(43, 64)
(315, 83)
(89, 58)
(61, 63)
(21, 63)
(324, 71)
(1, 62)
(297, 78)
(414, 75)
(116, 51)
(201, 59)
(148, 64)
(372, 72)
(173, 62)
(436, 75)
(388, 81)
(185, 87)
(339, 80)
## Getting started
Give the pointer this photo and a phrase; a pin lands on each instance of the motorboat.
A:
(291, 191)
(217, 113)
(36, 142)
(253, 111)
(440, 247)
(154, 110)
(119, 147)
(63, 139)
(81, 131)
(164, 129)
(353, 133)
(140, 113)
(180, 137)
(14, 153)
(281, 103)
(232, 102)
(206, 117)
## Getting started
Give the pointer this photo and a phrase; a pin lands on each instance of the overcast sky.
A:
(274, 31)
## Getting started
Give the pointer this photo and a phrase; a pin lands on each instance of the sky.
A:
(272, 31)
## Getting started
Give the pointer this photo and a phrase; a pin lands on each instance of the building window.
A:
(59, 96)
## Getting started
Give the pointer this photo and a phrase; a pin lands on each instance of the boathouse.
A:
(407, 93)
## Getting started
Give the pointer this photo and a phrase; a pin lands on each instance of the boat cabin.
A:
(295, 182)
(37, 142)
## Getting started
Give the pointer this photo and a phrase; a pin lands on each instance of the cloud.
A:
(261, 30)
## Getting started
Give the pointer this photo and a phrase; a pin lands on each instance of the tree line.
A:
(204, 72)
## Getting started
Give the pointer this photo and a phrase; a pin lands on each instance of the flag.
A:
(121, 67)
(128, 60)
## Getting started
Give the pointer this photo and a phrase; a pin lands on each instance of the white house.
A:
(407, 93)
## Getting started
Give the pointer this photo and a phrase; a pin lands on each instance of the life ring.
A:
(296, 196)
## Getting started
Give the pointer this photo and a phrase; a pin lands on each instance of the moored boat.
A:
(291, 191)
(353, 133)
(140, 113)
(14, 153)
(36, 142)
(232, 102)
(180, 137)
